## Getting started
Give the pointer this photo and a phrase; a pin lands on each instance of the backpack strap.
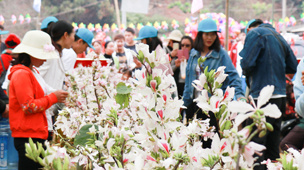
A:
(2, 64)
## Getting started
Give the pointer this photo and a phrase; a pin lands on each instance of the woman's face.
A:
(37, 62)
(208, 38)
(144, 41)
(186, 44)
(110, 48)
(68, 39)
(97, 47)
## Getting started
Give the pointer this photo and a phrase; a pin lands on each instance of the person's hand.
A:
(61, 95)
(174, 53)
(177, 62)
(6, 111)
(297, 116)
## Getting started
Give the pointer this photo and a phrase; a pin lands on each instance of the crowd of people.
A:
(34, 70)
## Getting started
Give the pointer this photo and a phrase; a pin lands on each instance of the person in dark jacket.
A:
(267, 57)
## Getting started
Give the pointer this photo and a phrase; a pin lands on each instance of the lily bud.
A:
(269, 126)
(262, 133)
(260, 112)
(153, 84)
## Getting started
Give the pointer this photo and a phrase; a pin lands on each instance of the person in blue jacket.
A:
(295, 138)
(267, 57)
(207, 45)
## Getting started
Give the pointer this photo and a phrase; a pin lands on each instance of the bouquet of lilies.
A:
(109, 123)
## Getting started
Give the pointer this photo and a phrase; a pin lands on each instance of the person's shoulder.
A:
(263, 29)
(20, 72)
(68, 52)
(193, 50)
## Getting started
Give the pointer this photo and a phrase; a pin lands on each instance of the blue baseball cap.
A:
(248, 24)
(86, 35)
(146, 32)
(207, 25)
(47, 21)
(3, 32)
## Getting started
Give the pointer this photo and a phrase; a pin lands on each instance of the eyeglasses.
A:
(185, 45)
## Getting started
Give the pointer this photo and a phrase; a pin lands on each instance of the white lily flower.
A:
(161, 56)
(246, 110)
(168, 162)
(250, 149)
(199, 84)
(298, 156)
(142, 47)
(140, 76)
(220, 75)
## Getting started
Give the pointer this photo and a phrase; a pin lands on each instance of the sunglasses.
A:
(185, 45)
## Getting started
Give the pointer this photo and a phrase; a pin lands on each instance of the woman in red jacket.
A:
(28, 97)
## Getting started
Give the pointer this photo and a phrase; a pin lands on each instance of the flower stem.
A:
(176, 165)
(215, 164)
(95, 92)
(242, 147)
(121, 152)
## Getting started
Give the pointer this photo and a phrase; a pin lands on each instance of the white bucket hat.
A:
(175, 35)
(37, 44)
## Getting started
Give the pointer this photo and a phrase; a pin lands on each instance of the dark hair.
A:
(119, 36)
(48, 29)
(76, 38)
(23, 58)
(57, 31)
(131, 30)
(106, 44)
(188, 38)
(126, 71)
(11, 43)
(1, 27)
(199, 43)
(256, 23)
(153, 43)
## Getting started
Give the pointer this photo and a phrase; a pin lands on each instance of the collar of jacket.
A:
(214, 54)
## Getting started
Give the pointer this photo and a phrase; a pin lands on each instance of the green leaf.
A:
(141, 56)
(123, 100)
(206, 72)
(149, 78)
(158, 80)
(123, 94)
(121, 88)
(212, 72)
(82, 137)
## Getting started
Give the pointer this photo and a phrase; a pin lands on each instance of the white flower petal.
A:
(241, 118)
(265, 95)
(272, 110)
(238, 106)
(110, 143)
(204, 106)
(256, 147)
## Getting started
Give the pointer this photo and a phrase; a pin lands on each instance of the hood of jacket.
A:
(16, 68)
